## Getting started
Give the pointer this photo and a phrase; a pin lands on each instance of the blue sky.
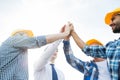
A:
(48, 16)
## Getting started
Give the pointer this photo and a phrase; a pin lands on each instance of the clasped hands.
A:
(67, 29)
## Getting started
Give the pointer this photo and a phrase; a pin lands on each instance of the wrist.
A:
(66, 39)
(66, 33)
(73, 32)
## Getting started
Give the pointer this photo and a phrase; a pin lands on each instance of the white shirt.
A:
(43, 70)
(104, 73)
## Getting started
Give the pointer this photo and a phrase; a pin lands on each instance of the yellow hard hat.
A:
(28, 32)
(93, 41)
(110, 15)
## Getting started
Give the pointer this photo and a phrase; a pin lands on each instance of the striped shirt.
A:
(13, 56)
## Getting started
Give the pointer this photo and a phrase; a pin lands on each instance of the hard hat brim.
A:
(92, 41)
(109, 15)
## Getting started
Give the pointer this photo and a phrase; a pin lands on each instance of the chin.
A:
(116, 31)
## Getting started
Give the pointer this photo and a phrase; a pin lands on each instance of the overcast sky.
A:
(48, 16)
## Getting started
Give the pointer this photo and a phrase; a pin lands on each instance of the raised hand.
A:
(62, 29)
(65, 29)
(71, 27)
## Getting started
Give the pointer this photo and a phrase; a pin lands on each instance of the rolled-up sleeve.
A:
(41, 40)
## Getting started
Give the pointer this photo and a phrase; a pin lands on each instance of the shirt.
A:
(13, 56)
(112, 50)
(91, 70)
(42, 68)
(104, 73)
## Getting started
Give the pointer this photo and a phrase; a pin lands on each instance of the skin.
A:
(65, 31)
(80, 43)
(115, 23)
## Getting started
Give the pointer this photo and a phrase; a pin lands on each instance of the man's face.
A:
(115, 23)
(54, 56)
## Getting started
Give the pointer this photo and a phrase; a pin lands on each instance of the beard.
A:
(117, 28)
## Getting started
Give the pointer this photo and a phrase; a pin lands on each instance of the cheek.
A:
(117, 22)
(55, 55)
(118, 19)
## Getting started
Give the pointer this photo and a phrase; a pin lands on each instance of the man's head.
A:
(23, 32)
(113, 19)
(94, 42)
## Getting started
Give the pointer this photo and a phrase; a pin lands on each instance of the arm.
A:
(25, 42)
(46, 55)
(80, 43)
(93, 51)
(35, 42)
(65, 31)
(71, 59)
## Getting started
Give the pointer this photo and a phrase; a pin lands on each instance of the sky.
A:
(45, 17)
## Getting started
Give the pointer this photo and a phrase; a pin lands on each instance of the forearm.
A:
(54, 37)
(81, 44)
(74, 62)
(71, 59)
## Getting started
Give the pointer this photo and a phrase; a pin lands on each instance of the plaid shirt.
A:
(89, 69)
(13, 56)
(112, 50)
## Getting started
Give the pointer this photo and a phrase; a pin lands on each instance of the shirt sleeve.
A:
(95, 51)
(71, 59)
(26, 42)
(46, 55)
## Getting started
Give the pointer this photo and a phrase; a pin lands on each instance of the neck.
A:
(98, 59)
(52, 61)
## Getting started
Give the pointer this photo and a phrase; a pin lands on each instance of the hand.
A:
(62, 29)
(67, 29)
(67, 37)
(71, 27)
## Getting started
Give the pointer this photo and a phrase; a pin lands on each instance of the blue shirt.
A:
(112, 50)
(89, 69)
(13, 56)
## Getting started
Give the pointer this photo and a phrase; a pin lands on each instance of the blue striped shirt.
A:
(112, 50)
(89, 69)
(13, 56)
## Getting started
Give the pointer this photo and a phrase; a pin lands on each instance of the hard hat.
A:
(93, 41)
(109, 15)
(28, 32)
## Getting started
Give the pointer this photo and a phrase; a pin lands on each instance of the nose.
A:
(111, 24)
